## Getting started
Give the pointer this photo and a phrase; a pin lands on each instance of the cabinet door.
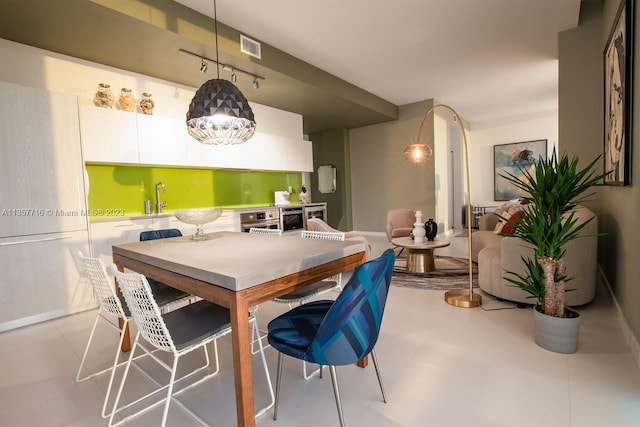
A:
(162, 140)
(108, 233)
(263, 152)
(41, 166)
(42, 279)
(108, 135)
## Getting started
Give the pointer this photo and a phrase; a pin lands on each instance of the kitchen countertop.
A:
(169, 212)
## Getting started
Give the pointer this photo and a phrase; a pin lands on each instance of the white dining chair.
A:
(111, 308)
(261, 334)
(179, 332)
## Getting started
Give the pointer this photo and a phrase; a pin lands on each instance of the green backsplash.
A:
(127, 187)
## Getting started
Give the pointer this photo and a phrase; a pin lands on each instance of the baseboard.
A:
(373, 233)
(631, 339)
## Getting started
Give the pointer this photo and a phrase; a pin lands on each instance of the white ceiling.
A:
(488, 59)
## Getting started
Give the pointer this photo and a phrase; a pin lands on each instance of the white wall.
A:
(484, 135)
(29, 66)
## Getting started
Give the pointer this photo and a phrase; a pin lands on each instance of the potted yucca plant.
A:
(552, 190)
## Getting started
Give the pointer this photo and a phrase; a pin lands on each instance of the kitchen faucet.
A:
(159, 204)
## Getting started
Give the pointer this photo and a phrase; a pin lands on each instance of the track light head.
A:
(256, 85)
(234, 77)
(203, 67)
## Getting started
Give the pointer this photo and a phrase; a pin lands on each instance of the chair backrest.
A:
(144, 309)
(325, 235)
(400, 219)
(159, 234)
(316, 224)
(273, 231)
(350, 328)
(103, 288)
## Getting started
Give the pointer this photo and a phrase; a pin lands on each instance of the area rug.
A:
(450, 273)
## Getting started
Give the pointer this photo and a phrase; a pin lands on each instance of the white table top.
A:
(235, 260)
(408, 242)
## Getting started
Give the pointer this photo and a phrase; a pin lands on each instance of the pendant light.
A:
(219, 113)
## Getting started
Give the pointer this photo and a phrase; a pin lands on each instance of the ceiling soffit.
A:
(144, 36)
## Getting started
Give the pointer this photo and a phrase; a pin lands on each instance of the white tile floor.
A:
(442, 366)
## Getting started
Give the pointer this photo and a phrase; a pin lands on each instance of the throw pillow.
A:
(509, 226)
(506, 210)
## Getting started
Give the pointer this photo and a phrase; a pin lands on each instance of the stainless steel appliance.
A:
(265, 218)
(292, 218)
(315, 211)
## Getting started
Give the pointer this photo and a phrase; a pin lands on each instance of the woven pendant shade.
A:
(220, 114)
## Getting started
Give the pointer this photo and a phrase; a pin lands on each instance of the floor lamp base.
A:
(463, 298)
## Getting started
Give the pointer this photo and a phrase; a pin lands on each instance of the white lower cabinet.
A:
(108, 233)
(105, 234)
(228, 221)
(42, 279)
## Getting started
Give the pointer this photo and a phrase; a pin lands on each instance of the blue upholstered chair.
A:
(337, 333)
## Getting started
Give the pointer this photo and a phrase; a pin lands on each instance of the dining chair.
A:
(340, 332)
(320, 287)
(302, 295)
(182, 298)
(270, 231)
(262, 334)
(111, 307)
(178, 332)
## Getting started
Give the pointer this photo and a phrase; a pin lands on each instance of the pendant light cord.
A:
(215, 28)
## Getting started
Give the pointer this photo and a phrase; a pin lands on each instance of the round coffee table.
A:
(420, 255)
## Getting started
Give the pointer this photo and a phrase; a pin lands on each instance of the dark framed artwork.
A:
(513, 158)
(618, 78)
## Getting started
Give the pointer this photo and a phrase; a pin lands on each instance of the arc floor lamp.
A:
(420, 153)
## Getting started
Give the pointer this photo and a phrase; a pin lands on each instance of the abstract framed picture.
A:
(618, 77)
(513, 158)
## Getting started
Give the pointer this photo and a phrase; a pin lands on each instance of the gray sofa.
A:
(496, 254)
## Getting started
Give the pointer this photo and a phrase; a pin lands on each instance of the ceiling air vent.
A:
(250, 47)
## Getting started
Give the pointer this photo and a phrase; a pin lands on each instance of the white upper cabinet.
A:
(262, 152)
(162, 140)
(109, 135)
(41, 169)
(113, 136)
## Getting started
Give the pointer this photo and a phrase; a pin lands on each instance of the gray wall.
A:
(581, 130)
(381, 177)
(332, 147)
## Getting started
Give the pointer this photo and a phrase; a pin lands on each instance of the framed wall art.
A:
(618, 75)
(513, 158)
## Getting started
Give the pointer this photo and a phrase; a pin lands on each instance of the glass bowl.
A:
(198, 217)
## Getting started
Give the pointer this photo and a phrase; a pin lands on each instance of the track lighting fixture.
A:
(256, 85)
(234, 70)
(203, 67)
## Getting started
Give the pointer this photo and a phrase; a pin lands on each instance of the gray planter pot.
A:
(557, 334)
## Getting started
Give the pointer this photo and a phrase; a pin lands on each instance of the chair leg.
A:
(86, 351)
(336, 392)
(169, 391)
(266, 370)
(124, 378)
(278, 381)
(304, 371)
(375, 364)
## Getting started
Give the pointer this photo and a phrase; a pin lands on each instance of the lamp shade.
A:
(417, 153)
(220, 114)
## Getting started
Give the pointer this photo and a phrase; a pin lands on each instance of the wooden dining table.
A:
(238, 271)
